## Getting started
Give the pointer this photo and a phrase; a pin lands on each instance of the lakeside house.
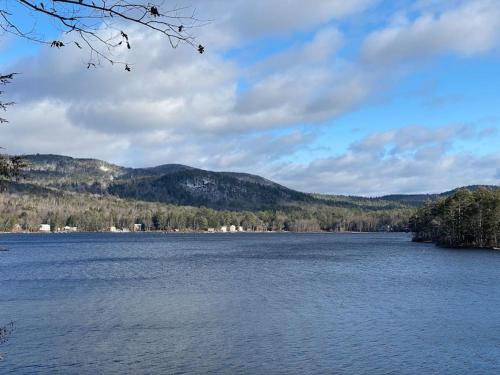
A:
(137, 228)
(118, 230)
(211, 230)
(44, 228)
(70, 229)
(230, 228)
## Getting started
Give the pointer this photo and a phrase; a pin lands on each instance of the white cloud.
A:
(261, 18)
(472, 28)
(414, 159)
(182, 92)
(178, 106)
(43, 127)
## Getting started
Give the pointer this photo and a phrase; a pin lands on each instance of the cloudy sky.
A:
(360, 97)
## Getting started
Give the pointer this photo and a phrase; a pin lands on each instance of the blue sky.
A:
(363, 97)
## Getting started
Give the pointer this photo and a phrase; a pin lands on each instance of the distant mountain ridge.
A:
(169, 183)
(184, 185)
(417, 200)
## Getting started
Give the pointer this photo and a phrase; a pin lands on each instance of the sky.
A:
(359, 97)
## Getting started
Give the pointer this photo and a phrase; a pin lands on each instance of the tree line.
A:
(92, 212)
(464, 219)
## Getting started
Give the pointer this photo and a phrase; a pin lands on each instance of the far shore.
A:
(201, 232)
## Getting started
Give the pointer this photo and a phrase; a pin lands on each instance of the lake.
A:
(269, 303)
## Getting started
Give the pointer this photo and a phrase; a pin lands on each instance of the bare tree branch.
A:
(10, 166)
(5, 79)
(97, 25)
(5, 332)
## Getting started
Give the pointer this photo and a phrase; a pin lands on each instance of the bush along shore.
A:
(466, 219)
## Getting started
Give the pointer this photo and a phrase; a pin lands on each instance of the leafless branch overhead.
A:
(98, 25)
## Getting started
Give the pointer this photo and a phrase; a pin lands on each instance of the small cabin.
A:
(44, 228)
(223, 228)
(232, 228)
(137, 227)
(240, 229)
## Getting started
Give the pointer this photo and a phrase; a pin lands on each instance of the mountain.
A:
(188, 186)
(170, 183)
(417, 200)
(70, 174)
(196, 187)
(413, 200)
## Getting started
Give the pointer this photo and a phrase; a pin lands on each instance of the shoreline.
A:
(201, 232)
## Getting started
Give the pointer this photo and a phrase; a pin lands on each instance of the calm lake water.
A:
(247, 304)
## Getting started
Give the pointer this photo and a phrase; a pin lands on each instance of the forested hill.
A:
(170, 183)
(417, 200)
(184, 185)
(177, 184)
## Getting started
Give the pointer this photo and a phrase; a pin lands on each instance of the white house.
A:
(70, 229)
(232, 228)
(223, 228)
(240, 229)
(44, 228)
(113, 229)
(137, 227)
(211, 230)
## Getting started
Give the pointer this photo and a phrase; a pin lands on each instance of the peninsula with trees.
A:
(467, 218)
